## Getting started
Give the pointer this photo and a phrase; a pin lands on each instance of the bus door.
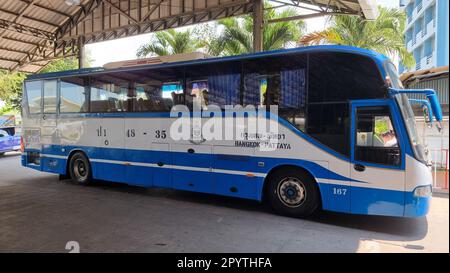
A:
(378, 161)
(192, 163)
(48, 120)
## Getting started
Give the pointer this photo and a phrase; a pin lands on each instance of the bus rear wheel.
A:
(80, 169)
(293, 193)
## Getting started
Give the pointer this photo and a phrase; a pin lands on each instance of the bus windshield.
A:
(407, 112)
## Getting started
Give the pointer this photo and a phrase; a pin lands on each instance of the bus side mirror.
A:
(426, 109)
(426, 116)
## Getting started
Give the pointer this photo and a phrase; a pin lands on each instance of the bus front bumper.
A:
(417, 202)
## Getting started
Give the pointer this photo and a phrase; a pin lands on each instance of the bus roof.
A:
(377, 57)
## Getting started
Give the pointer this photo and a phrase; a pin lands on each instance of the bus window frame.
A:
(88, 98)
(40, 101)
(396, 123)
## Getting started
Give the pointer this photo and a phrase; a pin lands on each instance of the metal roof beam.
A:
(29, 18)
(25, 42)
(27, 30)
(155, 24)
(120, 11)
(9, 60)
(51, 10)
(82, 12)
(13, 50)
(150, 12)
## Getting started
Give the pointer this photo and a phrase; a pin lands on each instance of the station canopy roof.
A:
(34, 32)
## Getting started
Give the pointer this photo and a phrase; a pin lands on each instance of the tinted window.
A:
(278, 81)
(217, 83)
(333, 80)
(74, 95)
(342, 76)
(33, 90)
(376, 141)
(50, 102)
(157, 90)
(330, 123)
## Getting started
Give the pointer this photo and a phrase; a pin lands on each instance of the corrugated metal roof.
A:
(439, 84)
(33, 32)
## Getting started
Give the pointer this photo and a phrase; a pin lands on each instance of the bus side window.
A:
(108, 97)
(213, 84)
(50, 101)
(33, 92)
(172, 94)
(74, 93)
(197, 94)
(278, 81)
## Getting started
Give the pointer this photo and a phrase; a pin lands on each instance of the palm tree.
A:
(384, 35)
(169, 42)
(237, 36)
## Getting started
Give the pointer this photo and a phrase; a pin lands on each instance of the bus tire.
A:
(292, 192)
(80, 169)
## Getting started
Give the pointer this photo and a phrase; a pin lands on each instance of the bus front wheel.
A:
(292, 192)
(80, 169)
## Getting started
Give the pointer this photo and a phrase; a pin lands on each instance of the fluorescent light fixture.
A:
(73, 2)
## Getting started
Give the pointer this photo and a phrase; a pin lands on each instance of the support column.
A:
(258, 25)
(81, 52)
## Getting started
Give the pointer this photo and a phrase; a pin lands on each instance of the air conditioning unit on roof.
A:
(157, 60)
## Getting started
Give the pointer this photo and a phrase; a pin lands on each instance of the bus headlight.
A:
(423, 191)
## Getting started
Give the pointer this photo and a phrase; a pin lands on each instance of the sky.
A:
(125, 48)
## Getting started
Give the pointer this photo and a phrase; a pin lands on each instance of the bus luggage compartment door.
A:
(192, 167)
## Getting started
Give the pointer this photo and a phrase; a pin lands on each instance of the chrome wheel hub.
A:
(291, 192)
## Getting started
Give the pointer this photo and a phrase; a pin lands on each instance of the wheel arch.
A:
(71, 154)
(299, 168)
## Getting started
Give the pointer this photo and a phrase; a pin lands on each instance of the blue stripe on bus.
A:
(196, 160)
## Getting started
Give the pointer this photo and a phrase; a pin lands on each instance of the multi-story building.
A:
(427, 32)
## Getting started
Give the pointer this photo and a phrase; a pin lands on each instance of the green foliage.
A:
(237, 35)
(169, 42)
(384, 35)
(11, 82)
(381, 127)
(11, 88)
(60, 65)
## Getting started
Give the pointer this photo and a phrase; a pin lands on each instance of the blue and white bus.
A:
(346, 129)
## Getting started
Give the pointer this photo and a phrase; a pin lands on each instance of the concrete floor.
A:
(38, 213)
